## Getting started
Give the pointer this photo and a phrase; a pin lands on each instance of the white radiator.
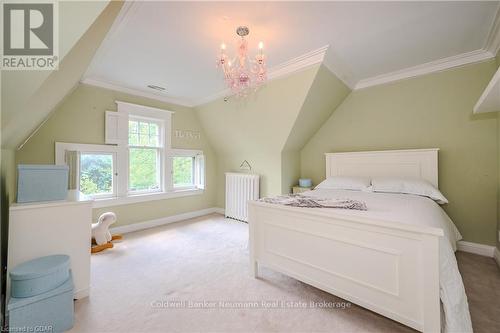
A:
(240, 188)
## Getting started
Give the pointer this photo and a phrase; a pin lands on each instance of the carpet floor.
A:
(193, 276)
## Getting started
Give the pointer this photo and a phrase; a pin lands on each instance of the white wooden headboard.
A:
(411, 163)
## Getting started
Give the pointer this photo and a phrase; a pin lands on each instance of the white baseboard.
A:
(220, 210)
(476, 248)
(496, 256)
(162, 221)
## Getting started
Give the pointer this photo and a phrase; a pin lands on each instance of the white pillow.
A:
(345, 183)
(408, 186)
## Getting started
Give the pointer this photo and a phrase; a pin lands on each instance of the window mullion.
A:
(122, 167)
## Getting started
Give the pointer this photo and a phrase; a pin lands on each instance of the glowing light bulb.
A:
(261, 45)
(222, 46)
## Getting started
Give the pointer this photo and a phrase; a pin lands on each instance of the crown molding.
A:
(493, 42)
(490, 50)
(136, 92)
(427, 68)
(296, 64)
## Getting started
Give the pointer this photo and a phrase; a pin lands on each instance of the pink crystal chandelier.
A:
(242, 74)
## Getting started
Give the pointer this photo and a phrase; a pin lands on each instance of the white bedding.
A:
(417, 210)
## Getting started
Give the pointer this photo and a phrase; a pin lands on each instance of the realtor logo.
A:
(30, 36)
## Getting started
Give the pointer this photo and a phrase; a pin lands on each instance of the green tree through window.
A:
(183, 171)
(144, 155)
(96, 173)
(143, 169)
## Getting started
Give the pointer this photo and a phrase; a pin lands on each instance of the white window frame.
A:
(117, 140)
(198, 168)
(162, 117)
(160, 151)
(62, 147)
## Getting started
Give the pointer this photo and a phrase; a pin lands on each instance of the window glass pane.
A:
(96, 173)
(143, 133)
(133, 140)
(153, 129)
(143, 166)
(144, 128)
(143, 140)
(183, 171)
(132, 126)
(133, 137)
(154, 141)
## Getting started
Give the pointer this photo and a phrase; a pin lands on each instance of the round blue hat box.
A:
(39, 275)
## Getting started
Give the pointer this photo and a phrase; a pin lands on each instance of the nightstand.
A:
(298, 189)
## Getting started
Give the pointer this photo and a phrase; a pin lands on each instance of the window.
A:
(188, 169)
(145, 155)
(96, 174)
(183, 171)
(137, 163)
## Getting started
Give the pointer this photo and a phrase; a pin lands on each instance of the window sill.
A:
(117, 201)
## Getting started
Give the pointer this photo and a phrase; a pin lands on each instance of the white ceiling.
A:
(175, 45)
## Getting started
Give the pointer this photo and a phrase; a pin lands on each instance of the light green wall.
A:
(8, 170)
(265, 164)
(434, 110)
(290, 169)
(498, 189)
(256, 128)
(324, 96)
(497, 59)
(80, 119)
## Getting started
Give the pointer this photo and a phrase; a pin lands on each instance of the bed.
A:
(396, 259)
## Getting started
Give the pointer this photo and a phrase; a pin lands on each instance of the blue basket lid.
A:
(39, 267)
(67, 286)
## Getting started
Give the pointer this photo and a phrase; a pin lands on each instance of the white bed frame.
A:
(388, 267)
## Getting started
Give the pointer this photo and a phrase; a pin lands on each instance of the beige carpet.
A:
(206, 259)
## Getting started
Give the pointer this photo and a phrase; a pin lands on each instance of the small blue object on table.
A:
(42, 295)
(305, 182)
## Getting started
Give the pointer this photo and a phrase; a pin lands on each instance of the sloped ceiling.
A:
(28, 97)
(74, 19)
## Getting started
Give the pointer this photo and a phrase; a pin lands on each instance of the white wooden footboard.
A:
(389, 268)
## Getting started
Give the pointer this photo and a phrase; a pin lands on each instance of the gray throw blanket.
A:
(298, 200)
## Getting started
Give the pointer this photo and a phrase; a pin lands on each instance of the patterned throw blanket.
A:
(298, 200)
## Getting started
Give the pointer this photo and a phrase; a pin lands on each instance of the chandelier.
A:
(243, 75)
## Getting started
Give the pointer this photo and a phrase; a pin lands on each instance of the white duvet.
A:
(417, 210)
